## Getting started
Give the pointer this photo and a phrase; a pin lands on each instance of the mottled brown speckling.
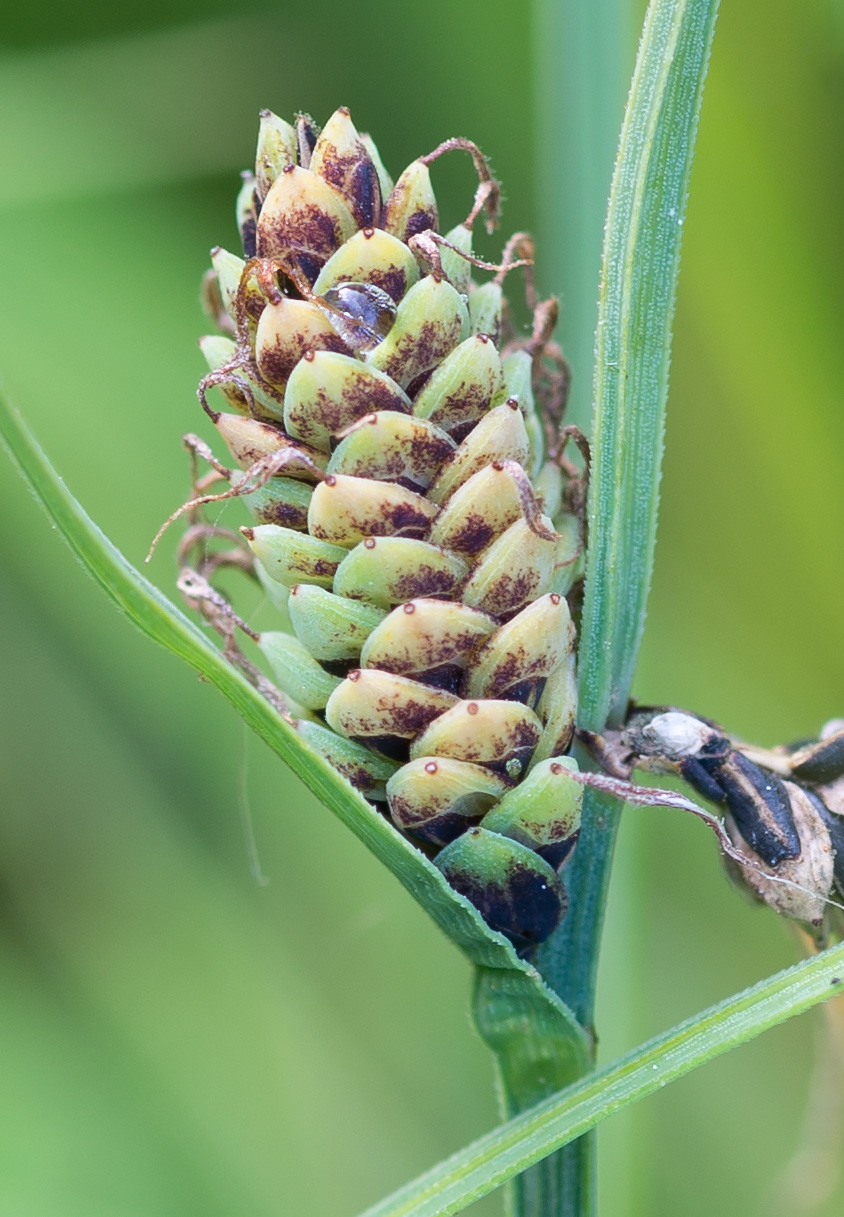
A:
(420, 498)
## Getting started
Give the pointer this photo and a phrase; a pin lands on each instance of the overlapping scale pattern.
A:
(405, 511)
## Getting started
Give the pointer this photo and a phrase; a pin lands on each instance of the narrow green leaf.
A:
(493, 1159)
(153, 613)
(633, 345)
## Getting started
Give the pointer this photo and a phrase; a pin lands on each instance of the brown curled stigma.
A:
(256, 476)
(488, 193)
(529, 503)
(426, 248)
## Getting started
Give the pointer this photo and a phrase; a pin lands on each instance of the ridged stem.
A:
(632, 351)
(582, 52)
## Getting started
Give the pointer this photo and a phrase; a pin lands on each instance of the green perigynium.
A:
(411, 518)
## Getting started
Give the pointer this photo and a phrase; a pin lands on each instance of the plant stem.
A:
(582, 56)
(632, 351)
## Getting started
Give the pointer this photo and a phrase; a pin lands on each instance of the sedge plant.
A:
(419, 525)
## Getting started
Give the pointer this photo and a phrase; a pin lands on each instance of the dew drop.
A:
(361, 313)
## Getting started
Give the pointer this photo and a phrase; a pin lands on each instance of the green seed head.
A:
(410, 522)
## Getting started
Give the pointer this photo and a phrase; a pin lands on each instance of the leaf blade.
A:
(633, 343)
(498, 1156)
(632, 356)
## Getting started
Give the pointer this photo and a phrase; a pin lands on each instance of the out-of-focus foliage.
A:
(177, 1037)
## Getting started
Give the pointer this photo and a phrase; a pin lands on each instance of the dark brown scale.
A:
(473, 536)
(459, 431)
(249, 228)
(365, 193)
(438, 830)
(393, 282)
(391, 746)
(404, 520)
(277, 363)
(421, 221)
(425, 581)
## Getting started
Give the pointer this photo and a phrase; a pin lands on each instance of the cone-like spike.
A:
(499, 436)
(345, 510)
(365, 770)
(515, 569)
(411, 207)
(390, 570)
(515, 891)
(543, 811)
(290, 557)
(371, 256)
(378, 705)
(430, 322)
(502, 734)
(341, 157)
(429, 639)
(393, 447)
(249, 440)
(327, 392)
(396, 468)
(296, 672)
(436, 798)
(331, 627)
(278, 147)
(287, 331)
(518, 658)
(303, 221)
(463, 387)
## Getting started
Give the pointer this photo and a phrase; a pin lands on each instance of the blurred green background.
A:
(178, 1036)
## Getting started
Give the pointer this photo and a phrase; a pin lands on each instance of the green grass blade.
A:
(633, 343)
(512, 1147)
(153, 613)
(633, 346)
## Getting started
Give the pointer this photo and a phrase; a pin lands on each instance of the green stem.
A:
(632, 352)
(581, 51)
